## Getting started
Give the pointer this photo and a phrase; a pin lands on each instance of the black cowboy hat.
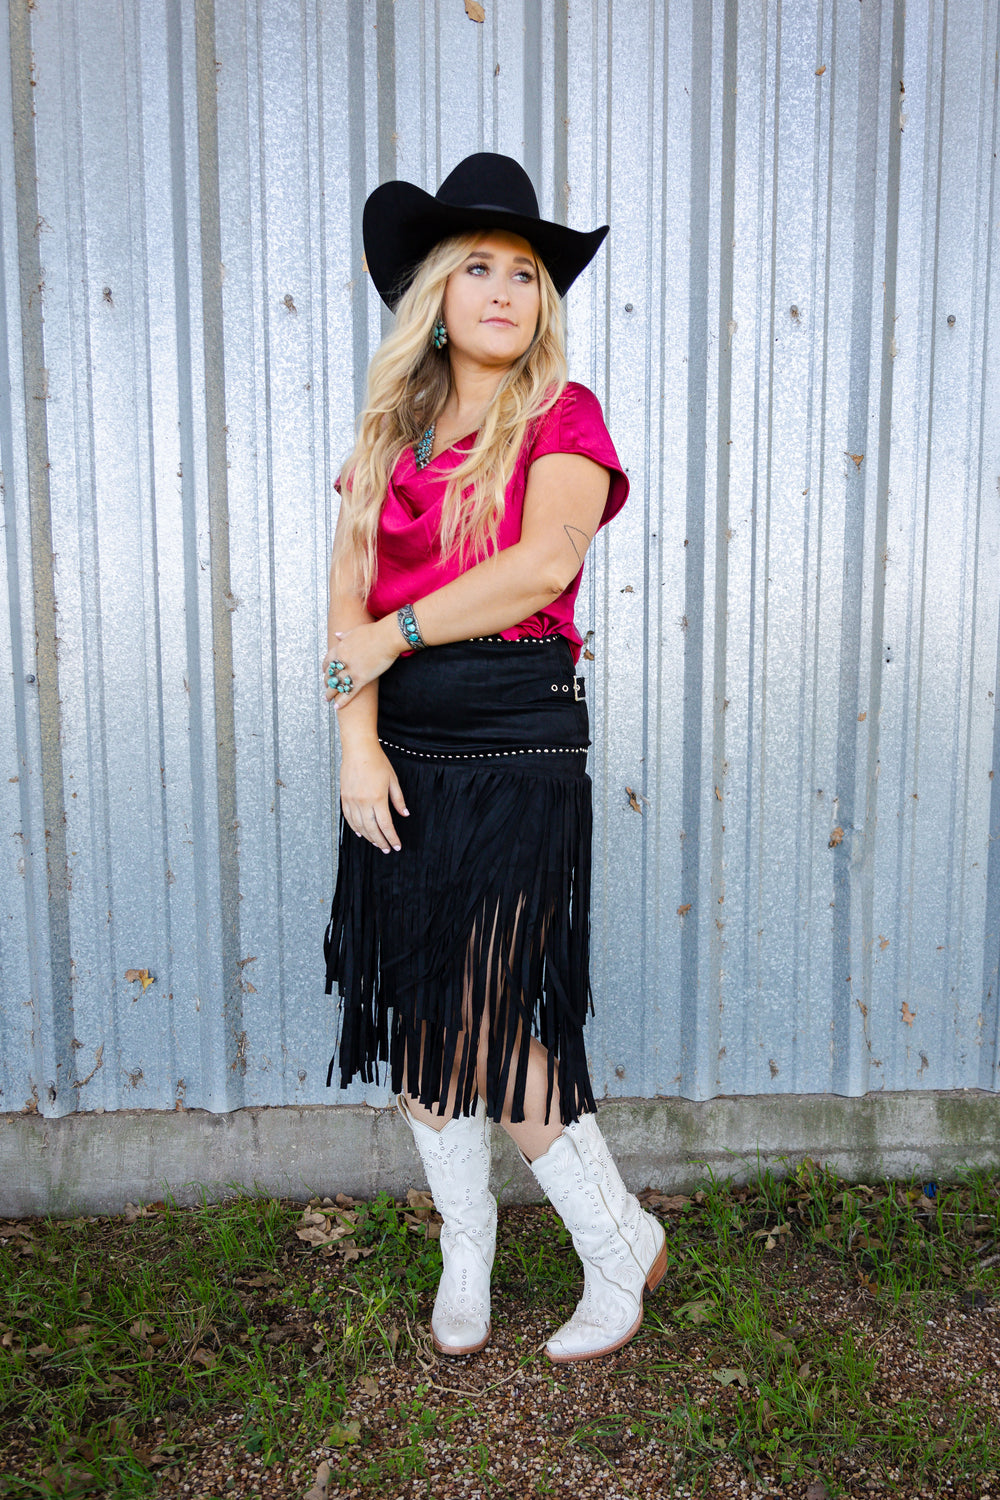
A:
(402, 223)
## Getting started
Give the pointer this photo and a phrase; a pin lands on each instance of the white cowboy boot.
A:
(623, 1249)
(457, 1162)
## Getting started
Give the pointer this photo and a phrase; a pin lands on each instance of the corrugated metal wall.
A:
(795, 621)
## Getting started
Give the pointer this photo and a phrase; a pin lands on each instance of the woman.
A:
(460, 924)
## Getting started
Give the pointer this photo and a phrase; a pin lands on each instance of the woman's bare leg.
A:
(532, 1134)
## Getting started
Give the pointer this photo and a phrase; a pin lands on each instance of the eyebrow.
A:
(490, 255)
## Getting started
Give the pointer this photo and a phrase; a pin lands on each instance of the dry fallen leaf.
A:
(670, 1202)
(319, 1489)
(475, 11)
(836, 837)
(633, 800)
(682, 911)
(908, 1015)
(696, 1312)
(143, 976)
(821, 71)
(314, 1236)
(342, 1433)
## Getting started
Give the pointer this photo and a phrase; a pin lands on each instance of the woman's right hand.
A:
(368, 785)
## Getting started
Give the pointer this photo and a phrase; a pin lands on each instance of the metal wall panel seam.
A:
(974, 789)
(641, 1044)
(873, 705)
(966, 791)
(531, 90)
(930, 988)
(906, 918)
(325, 529)
(210, 992)
(560, 112)
(27, 972)
(385, 66)
(761, 596)
(666, 918)
(692, 1022)
(78, 547)
(869, 685)
(357, 174)
(952, 913)
(813, 764)
(142, 356)
(756, 676)
(268, 650)
(989, 1057)
(54, 1031)
(715, 989)
(848, 959)
(218, 512)
(806, 810)
(753, 962)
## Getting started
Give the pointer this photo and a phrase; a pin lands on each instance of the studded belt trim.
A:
(485, 754)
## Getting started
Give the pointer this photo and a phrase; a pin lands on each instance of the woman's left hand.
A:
(361, 655)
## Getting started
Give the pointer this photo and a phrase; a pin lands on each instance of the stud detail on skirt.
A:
(485, 754)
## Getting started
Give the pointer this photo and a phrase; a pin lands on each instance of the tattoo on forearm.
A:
(572, 531)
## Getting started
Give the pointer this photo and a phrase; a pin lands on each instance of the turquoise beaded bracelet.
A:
(407, 622)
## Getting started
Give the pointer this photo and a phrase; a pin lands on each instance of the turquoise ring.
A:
(338, 679)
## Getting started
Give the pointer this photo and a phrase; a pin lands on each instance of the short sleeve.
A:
(576, 425)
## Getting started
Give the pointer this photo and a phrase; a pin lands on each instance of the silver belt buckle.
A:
(579, 690)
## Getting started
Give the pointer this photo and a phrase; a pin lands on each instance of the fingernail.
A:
(397, 847)
(406, 812)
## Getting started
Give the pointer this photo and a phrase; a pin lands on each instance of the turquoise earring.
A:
(439, 334)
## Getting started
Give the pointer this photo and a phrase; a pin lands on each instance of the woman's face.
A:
(491, 302)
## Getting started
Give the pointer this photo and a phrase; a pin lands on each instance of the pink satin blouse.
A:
(409, 561)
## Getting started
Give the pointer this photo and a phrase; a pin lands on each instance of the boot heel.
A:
(658, 1269)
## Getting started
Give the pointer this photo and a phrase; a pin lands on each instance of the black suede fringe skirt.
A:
(483, 918)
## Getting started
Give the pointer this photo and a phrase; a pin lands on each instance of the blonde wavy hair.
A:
(408, 383)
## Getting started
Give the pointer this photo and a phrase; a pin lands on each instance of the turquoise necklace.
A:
(422, 450)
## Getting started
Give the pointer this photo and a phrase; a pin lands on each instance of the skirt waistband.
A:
(485, 699)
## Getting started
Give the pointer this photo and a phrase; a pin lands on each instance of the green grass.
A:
(116, 1338)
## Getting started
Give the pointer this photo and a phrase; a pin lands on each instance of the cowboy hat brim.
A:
(402, 224)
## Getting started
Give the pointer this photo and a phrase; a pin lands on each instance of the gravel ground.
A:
(491, 1426)
(659, 1418)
